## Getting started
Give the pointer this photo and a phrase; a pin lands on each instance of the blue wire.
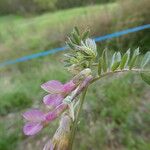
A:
(123, 32)
(55, 50)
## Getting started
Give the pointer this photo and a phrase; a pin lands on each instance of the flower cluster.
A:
(84, 52)
(60, 95)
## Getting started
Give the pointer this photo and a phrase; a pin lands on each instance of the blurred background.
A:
(116, 114)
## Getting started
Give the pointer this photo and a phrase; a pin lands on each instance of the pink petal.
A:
(52, 100)
(56, 112)
(52, 87)
(69, 87)
(31, 128)
(34, 115)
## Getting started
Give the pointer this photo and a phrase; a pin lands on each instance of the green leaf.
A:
(67, 65)
(134, 58)
(77, 30)
(85, 35)
(145, 72)
(115, 61)
(71, 40)
(76, 38)
(99, 67)
(145, 60)
(69, 55)
(136, 52)
(71, 45)
(115, 66)
(104, 60)
(125, 59)
(145, 75)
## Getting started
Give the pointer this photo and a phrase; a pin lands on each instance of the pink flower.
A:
(58, 92)
(36, 119)
(50, 116)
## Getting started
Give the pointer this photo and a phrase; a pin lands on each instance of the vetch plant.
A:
(66, 100)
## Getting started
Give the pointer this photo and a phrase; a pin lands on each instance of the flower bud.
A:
(82, 75)
(60, 140)
(88, 47)
(74, 69)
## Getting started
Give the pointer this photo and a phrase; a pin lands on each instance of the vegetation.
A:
(123, 124)
(31, 7)
(101, 19)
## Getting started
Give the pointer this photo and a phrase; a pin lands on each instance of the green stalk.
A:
(74, 127)
(114, 72)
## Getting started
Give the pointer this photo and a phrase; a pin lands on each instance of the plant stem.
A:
(74, 127)
(114, 72)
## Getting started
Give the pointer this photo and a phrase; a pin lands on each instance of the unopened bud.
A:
(88, 47)
(82, 75)
(60, 140)
(74, 69)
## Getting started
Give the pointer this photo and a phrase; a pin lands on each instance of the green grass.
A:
(113, 117)
(23, 86)
(116, 111)
(110, 114)
(38, 33)
(9, 137)
(52, 27)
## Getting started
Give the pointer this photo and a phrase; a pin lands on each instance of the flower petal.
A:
(50, 116)
(52, 87)
(32, 128)
(34, 115)
(69, 87)
(53, 100)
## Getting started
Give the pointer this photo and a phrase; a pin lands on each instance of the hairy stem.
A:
(114, 72)
(74, 127)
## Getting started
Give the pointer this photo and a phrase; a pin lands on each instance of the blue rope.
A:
(55, 50)
(123, 32)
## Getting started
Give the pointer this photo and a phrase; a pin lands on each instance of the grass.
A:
(110, 116)
(110, 119)
(9, 137)
(45, 27)
(38, 33)
(24, 84)
(116, 112)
